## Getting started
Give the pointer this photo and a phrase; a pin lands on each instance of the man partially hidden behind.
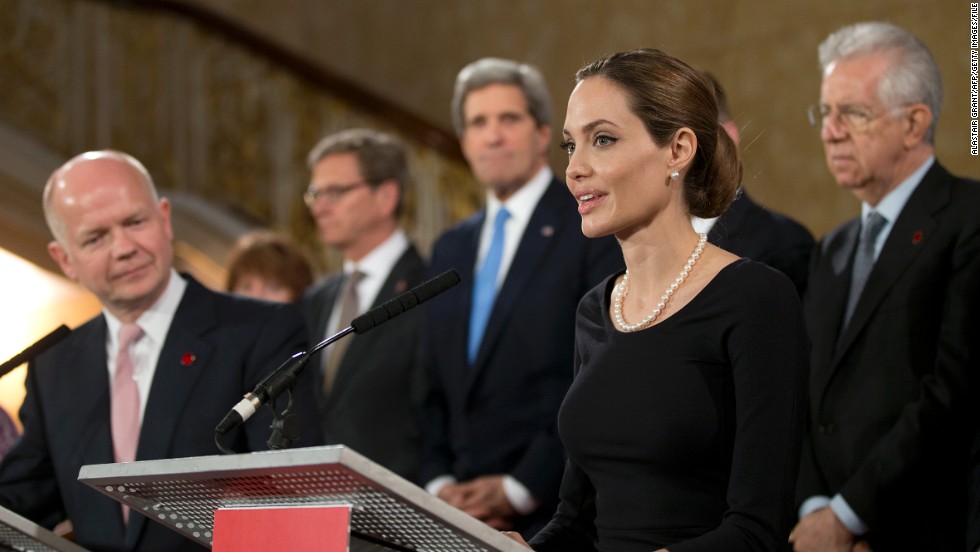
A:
(148, 378)
(748, 229)
(499, 346)
(370, 385)
(893, 310)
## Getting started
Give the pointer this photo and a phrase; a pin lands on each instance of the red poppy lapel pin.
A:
(917, 237)
(400, 286)
(548, 231)
(187, 359)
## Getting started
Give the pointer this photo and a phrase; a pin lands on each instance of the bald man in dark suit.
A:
(196, 354)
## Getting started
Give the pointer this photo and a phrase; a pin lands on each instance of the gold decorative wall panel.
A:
(208, 116)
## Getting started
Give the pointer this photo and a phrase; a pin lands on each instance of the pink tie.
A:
(125, 409)
(125, 398)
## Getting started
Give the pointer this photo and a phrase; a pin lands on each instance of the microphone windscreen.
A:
(36, 349)
(408, 300)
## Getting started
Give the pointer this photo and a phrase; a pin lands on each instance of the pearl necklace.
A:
(623, 288)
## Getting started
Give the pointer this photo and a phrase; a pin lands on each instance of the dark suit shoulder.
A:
(230, 308)
(314, 295)
(840, 236)
(92, 331)
(790, 229)
(459, 234)
(751, 230)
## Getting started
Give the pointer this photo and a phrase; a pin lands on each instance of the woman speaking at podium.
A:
(684, 420)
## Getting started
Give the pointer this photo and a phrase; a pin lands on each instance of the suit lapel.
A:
(542, 230)
(464, 297)
(831, 291)
(399, 279)
(183, 358)
(87, 415)
(397, 282)
(92, 386)
(842, 264)
(910, 234)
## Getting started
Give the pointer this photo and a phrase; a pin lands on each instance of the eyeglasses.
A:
(852, 117)
(332, 193)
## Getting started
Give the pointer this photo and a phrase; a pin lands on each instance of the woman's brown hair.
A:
(668, 94)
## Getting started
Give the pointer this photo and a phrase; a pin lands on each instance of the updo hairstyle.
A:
(667, 94)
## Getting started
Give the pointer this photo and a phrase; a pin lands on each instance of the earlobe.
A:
(544, 133)
(917, 125)
(682, 148)
(164, 207)
(389, 191)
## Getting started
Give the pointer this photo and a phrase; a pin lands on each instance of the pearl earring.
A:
(675, 175)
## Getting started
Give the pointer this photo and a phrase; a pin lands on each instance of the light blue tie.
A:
(485, 286)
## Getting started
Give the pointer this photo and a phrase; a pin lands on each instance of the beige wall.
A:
(763, 51)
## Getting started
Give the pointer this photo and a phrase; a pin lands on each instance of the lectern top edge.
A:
(20, 533)
(183, 494)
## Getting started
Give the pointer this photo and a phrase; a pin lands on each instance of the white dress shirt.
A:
(376, 266)
(155, 323)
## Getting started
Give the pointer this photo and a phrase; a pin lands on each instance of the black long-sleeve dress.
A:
(685, 434)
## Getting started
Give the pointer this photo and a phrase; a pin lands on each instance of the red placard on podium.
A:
(308, 528)
(191, 495)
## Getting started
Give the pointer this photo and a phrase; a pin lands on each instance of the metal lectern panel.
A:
(21, 534)
(183, 494)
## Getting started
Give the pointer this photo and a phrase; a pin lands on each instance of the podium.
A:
(20, 533)
(387, 512)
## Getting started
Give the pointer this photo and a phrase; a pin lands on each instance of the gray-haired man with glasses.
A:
(370, 384)
(893, 310)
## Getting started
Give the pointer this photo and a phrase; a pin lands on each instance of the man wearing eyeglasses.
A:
(892, 309)
(371, 386)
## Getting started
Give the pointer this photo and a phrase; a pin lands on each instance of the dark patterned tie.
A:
(864, 260)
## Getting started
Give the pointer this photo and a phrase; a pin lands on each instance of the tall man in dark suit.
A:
(748, 229)
(500, 344)
(100, 396)
(893, 310)
(371, 384)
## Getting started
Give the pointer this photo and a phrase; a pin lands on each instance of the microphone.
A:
(276, 381)
(37, 348)
(285, 375)
(408, 300)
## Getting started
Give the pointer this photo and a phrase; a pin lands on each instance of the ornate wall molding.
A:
(210, 118)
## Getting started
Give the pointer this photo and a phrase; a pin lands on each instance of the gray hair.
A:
(912, 75)
(380, 156)
(55, 224)
(487, 71)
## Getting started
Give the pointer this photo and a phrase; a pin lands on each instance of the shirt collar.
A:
(892, 204)
(155, 321)
(382, 258)
(522, 203)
